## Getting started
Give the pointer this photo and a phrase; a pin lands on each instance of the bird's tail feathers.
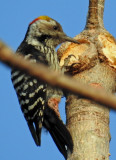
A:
(58, 131)
(35, 132)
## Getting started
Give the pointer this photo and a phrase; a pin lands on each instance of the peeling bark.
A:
(93, 63)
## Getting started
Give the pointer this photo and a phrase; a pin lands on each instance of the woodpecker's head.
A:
(47, 31)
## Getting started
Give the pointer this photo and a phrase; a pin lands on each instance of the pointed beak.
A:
(65, 38)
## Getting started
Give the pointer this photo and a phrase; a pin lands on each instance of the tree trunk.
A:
(93, 63)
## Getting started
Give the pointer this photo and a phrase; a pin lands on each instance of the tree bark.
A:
(93, 63)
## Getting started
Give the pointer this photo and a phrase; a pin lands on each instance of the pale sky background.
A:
(16, 142)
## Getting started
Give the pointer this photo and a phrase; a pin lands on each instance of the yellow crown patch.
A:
(41, 18)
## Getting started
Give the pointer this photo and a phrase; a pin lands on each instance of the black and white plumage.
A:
(42, 36)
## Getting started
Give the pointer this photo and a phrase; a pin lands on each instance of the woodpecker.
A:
(42, 37)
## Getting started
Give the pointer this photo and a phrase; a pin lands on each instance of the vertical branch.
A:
(101, 12)
(87, 121)
(95, 14)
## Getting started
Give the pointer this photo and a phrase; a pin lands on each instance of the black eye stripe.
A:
(43, 37)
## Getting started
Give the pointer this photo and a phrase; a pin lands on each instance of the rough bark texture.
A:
(93, 63)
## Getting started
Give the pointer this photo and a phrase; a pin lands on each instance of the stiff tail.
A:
(35, 132)
(58, 131)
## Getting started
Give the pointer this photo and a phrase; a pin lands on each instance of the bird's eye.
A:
(55, 27)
